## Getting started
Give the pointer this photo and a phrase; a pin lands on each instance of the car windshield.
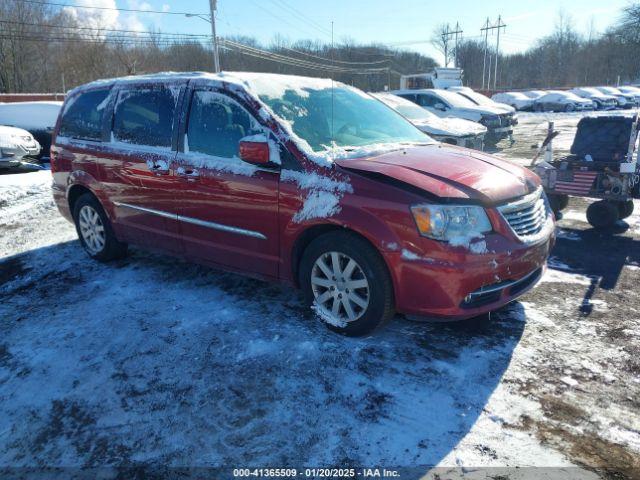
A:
(609, 90)
(572, 96)
(455, 99)
(341, 116)
(406, 108)
(477, 98)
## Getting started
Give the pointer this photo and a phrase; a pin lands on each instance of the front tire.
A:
(347, 283)
(95, 231)
(570, 107)
(603, 214)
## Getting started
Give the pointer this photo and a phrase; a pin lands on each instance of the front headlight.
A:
(444, 222)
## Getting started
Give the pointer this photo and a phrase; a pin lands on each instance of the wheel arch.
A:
(80, 182)
(309, 234)
(75, 192)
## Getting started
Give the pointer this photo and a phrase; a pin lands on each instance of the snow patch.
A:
(478, 246)
(409, 255)
(327, 317)
(323, 198)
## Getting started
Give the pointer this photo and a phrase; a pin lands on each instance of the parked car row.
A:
(454, 131)
(462, 102)
(305, 181)
(25, 131)
(576, 99)
(15, 145)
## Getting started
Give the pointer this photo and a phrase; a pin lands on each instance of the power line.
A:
(137, 10)
(336, 61)
(102, 30)
(303, 17)
(252, 51)
(10, 35)
(268, 11)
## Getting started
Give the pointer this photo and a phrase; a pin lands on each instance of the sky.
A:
(406, 23)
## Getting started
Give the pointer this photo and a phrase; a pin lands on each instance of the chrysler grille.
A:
(527, 215)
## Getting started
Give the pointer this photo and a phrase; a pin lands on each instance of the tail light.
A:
(53, 157)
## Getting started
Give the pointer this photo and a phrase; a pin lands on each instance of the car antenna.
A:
(332, 89)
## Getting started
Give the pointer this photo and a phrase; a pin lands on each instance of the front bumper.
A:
(9, 162)
(475, 142)
(468, 284)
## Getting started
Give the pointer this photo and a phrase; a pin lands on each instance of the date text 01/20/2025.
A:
(315, 473)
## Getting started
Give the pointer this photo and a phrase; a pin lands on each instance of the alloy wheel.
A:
(91, 229)
(340, 287)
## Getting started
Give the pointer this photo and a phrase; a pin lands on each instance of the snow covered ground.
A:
(153, 360)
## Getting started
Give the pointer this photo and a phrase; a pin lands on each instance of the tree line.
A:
(565, 58)
(44, 48)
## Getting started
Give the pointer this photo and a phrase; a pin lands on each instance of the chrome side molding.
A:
(195, 221)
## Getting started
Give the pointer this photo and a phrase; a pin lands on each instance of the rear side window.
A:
(216, 125)
(427, 100)
(409, 97)
(82, 118)
(145, 117)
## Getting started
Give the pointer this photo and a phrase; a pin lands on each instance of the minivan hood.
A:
(450, 172)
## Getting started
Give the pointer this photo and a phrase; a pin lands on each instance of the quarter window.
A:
(145, 117)
(216, 125)
(82, 118)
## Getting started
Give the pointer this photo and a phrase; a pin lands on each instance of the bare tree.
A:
(443, 42)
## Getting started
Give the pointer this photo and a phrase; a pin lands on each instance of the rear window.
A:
(82, 117)
(145, 117)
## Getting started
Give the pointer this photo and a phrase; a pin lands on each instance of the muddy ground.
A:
(153, 361)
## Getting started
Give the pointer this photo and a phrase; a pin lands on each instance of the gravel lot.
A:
(151, 360)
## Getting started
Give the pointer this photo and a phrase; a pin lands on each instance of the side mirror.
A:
(440, 106)
(255, 150)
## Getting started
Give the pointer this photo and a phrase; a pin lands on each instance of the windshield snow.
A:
(478, 98)
(406, 108)
(344, 117)
(455, 99)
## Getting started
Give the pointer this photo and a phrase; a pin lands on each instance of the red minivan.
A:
(301, 180)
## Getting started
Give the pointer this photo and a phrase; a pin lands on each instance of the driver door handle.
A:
(158, 170)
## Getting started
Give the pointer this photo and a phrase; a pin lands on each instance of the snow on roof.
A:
(30, 115)
(275, 86)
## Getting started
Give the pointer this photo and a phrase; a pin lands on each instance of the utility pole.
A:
(495, 74)
(486, 40)
(458, 31)
(214, 38)
(486, 29)
(445, 41)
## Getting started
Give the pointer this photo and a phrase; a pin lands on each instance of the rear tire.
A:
(336, 251)
(95, 231)
(603, 214)
(625, 209)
